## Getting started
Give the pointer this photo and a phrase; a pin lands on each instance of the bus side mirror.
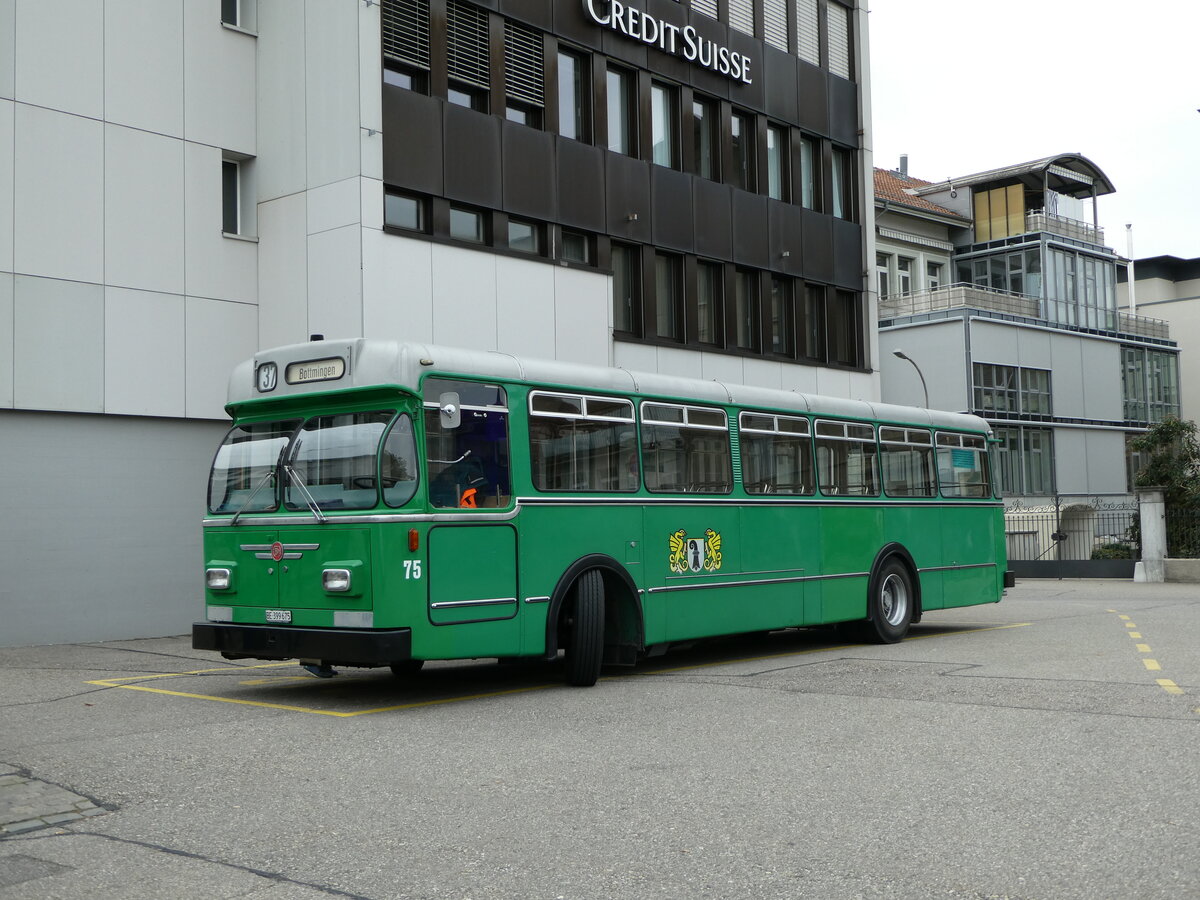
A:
(451, 413)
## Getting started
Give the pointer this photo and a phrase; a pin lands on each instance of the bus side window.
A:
(398, 465)
(468, 464)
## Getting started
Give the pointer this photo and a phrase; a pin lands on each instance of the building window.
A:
(627, 295)
(904, 267)
(239, 13)
(524, 237)
(467, 225)
(883, 270)
(777, 151)
(845, 329)
(622, 111)
(808, 173)
(573, 96)
(403, 211)
(838, 19)
(808, 31)
(933, 276)
(746, 310)
(231, 206)
(467, 63)
(843, 185)
(576, 247)
(405, 25)
(523, 82)
(1149, 384)
(1011, 390)
(812, 328)
(1024, 461)
(783, 317)
(775, 23)
(741, 16)
(710, 282)
(668, 296)
(741, 133)
(706, 136)
(664, 125)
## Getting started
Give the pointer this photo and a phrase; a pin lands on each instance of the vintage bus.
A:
(382, 504)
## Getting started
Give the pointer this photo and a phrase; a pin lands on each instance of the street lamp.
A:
(900, 355)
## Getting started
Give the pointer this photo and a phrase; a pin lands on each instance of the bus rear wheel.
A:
(890, 604)
(585, 631)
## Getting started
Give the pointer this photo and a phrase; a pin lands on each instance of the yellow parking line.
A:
(1169, 686)
(1143, 648)
(1136, 635)
(113, 682)
(1152, 665)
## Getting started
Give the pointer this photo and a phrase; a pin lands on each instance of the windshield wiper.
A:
(254, 493)
(295, 478)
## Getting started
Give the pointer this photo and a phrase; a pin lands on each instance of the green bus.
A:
(381, 504)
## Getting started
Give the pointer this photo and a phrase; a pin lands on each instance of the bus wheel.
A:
(585, 634)
(890, 604)
(408, 668)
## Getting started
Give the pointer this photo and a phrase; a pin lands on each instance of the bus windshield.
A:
(330, 462)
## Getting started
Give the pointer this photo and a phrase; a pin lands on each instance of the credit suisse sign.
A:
(683, 41)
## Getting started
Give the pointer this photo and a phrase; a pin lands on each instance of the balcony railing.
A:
(971, 296)
(1040, 220)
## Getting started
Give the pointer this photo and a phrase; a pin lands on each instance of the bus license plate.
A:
(283, 616)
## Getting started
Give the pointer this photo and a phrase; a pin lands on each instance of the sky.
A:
(964, 86)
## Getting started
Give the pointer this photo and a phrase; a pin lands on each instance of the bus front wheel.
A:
(585, 631)
(890, 604)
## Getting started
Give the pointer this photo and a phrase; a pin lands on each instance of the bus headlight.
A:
(336, 580)
(218, 579)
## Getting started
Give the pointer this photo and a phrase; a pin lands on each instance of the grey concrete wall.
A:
(100, 525)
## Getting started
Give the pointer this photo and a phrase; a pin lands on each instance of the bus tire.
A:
(408, 668)
(585, 634)
(890, 603)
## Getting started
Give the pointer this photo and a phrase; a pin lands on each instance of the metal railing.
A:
(1096, 527)
(1040, 220)
(1183, 533)
(962, 295)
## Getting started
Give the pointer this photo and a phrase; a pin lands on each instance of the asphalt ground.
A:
(1043, 747)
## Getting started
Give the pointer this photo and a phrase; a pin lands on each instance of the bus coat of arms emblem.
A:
(694, 554)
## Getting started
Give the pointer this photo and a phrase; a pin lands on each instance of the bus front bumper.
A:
(342, 646)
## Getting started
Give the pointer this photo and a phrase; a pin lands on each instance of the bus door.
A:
(472, 542)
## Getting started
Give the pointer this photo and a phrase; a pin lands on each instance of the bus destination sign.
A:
(315, 370)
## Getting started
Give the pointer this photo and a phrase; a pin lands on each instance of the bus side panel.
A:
(969, 535)
(565, 534)
(851, 536)
(780, 542)
(917, 530)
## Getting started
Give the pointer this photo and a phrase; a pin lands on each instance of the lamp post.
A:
(900, 355)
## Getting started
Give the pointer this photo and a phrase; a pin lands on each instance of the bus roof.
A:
(371, 363)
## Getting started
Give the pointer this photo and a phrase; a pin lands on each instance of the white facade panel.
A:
(7, 225)
(218, 335)
(281, 101)
(940, 352)
(672, 361)
(998, 344)
(464, 298)
(335, 282)
(143, 353)
(219, 77)
(1103, 396)
(635, 357)
(8, 48)
(370, 201)
(57, 367)
(6, 339)
(1106, 462)
(59, 195)
(834, 383)
(334, 205)
(59, 59)
(719, 367)
(215, 266)
(331, 81)
(397, 285)
(1071, 461)
(143, 64)
(582, 307)
(143, 210)
(764, 372)
(525, 309)
(800, 378)
(1034, 348)
(283, 271)
(1067, 377)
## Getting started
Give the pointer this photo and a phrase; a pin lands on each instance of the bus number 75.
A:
(412, 569)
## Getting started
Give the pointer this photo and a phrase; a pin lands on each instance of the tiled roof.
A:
(893, 187)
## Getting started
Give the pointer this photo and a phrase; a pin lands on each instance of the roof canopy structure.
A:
(1067, 173)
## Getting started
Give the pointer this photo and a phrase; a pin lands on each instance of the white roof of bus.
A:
(375, 362)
